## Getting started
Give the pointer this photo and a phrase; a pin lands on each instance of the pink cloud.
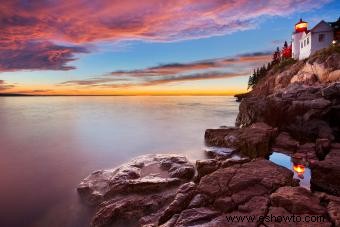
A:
(84, 21)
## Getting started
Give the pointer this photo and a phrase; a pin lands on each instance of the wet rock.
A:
(200, 200)
(325, 174)
(220, 152)
(182, 172)
(285, 142)
(215, 137)
(145, 173)
(253, 141)
(234, 161)
(297, 200)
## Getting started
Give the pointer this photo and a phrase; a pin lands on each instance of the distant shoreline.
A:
(32, 95)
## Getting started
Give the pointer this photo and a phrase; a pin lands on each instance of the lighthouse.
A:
(306, 42)
(301, 27)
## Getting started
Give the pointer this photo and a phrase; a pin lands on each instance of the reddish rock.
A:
(196, 216)
(216, 183)
(200, 200)
(224, 204)
(285, 142)
(205, 167)
(322, 148)
(334, 212)
(182, 199)
(325, 174)
(145, 173)
(276, 215)
(253, 141)
(297, 200)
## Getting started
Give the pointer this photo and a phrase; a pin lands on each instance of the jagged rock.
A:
(207, 166)
(331, 91)
(249, 191)
(196, 216)
(234, 161)
(262, 172)
(285, 142)
(334, 76)
(334, 212)
(182, 172)
(216, 183)
(297, 200)
(129, 209)
(182, 199)
(322, 148)
(280, 217)
(304, 78)
(253, 141)
(242, 180)
(145, 173)
(224, 204)
(200, 200)
(325, 174)
(220, 152)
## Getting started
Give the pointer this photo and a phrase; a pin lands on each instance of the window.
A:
(304, 42)
(321, 37)
(308, 41)
(301, 44)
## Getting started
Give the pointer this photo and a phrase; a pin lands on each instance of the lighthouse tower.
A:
(300, 28)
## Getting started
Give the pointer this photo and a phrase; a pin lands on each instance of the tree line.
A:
(278, 56)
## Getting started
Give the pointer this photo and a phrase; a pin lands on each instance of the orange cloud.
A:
(176, 72)
(43, 23)
(4, 86)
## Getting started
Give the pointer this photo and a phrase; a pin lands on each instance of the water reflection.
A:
(301, 170)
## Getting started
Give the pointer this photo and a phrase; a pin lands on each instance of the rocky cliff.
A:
(294, 109)
(302, 99)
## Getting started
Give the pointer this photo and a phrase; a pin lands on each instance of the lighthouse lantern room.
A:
(301, 26)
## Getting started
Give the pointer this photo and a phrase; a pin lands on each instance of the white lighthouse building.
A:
(306, 42)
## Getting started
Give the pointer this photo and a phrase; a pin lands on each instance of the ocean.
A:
(49, 144)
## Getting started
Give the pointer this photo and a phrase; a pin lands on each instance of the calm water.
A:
(301, 172)
(48, 144)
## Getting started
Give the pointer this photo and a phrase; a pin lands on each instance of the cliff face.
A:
(302, 99)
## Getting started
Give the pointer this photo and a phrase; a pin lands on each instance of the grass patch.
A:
(323, 54)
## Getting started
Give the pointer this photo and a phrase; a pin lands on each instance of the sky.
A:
(144, 47)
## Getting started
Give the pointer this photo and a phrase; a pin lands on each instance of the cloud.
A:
(38, 56)
(4, 86)
(177, 72)
(80, 22)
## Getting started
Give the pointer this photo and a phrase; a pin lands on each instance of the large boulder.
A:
(325, 174)
(243, 181)
(285, 142)
(146, 173)
(253, 141)
(297, 200)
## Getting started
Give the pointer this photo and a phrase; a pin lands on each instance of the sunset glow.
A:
(150, 47)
